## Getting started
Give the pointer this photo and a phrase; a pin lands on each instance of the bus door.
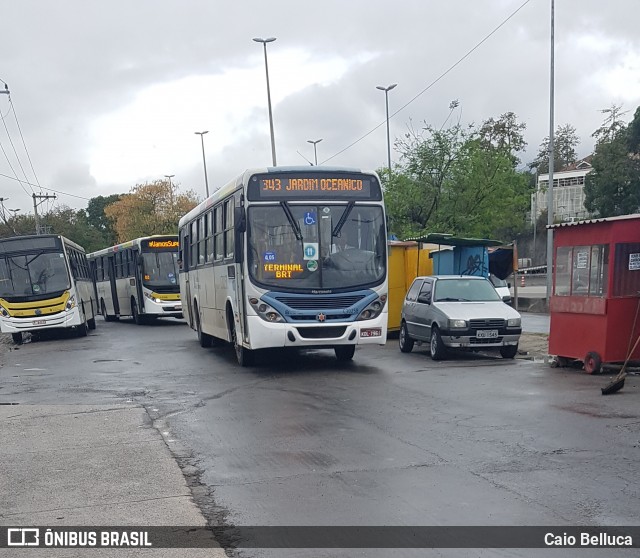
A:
(111, 266)
(136, 280)
(186, 260)
(94, 278)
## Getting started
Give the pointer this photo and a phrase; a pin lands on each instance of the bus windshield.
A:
(33, 274)
(316, 247)
(160, 269)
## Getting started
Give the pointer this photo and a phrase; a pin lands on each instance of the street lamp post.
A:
(266, 67)
(204, 162)
(386, 97)
(315, 150)
(169, 176)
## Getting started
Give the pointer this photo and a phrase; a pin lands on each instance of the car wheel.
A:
(436, 347)
(404, 340)
(344, 352)
(509, 351)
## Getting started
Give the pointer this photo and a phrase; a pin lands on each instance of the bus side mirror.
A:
(240, 219)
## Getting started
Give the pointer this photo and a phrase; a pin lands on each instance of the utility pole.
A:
(43, 198)
(550, 208)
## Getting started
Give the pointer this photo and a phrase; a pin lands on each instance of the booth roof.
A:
(450, 240)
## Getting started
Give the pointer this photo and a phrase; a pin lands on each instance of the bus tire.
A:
(106, 316)
(204, 338)
(244, 356)
(17, 338)
(137, 317)
(344, 352)
(82, 330)
(92, 322)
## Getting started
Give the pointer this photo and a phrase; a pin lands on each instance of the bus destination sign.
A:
(161, 244)
(289, 186)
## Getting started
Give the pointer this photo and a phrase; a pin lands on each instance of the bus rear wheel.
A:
(103, 311)
(17, 338)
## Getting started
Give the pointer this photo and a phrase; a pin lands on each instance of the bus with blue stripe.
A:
(287, 257)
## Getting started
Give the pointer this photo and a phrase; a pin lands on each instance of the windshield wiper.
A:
(292, 221)
(343, 219)
(449, 299)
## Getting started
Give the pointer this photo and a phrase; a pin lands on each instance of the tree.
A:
(98, 219)
(613, 187)
(150, 208)
(565, 142)
(461, 181)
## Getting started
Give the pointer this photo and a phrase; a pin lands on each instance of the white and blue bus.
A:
(138, 278)
(44, 284)
(288, 257)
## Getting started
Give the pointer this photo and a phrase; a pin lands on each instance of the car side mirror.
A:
(425, 298)
(508, 285)
(506, 298)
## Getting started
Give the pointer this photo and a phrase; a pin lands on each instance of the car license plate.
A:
(487, 333)
(39, 322)
(371, 332)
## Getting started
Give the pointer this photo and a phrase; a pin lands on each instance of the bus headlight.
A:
(153, 298)
(374, 309)
(71, 303)
(4, 311)
(265, 311)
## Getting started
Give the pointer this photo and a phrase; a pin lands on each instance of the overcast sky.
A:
(110, 94)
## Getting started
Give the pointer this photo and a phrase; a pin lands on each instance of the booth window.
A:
(626, 269)
(582, 270)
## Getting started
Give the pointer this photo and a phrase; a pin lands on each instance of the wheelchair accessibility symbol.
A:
(310, 218)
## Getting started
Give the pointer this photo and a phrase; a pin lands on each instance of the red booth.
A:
(595, 302)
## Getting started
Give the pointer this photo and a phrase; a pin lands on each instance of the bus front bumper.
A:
(266, 334)
(63, 320)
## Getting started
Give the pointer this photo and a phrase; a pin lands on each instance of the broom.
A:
(618, 382)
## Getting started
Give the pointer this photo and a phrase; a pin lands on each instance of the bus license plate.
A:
(371, 332)
(487, 333)
(39, 322)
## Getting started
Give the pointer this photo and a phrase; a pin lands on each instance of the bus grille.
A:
(321, 332)
(319, 302)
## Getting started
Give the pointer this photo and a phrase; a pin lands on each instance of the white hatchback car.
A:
(458, 312)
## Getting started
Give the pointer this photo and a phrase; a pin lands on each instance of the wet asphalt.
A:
(389, 439)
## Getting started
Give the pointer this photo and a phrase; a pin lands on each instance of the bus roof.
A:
(243, 178)
(64, 239)
(128, 244)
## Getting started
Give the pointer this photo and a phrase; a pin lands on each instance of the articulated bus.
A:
(288, 257)
(138, 278)
(44, 284)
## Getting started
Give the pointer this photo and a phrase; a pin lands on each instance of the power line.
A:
(47, 188)
(15, 152)
(443, 74)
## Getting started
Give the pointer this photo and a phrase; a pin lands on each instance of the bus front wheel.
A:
(137, 317)
(244, 356)
(345, 352)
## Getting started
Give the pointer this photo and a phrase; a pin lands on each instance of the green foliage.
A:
(461, 181)
(98, 219)
(613, 187)
(565, 141)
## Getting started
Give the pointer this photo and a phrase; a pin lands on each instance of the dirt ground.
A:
(533, 345)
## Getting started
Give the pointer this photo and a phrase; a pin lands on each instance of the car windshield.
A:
(310, 247)
(33, 274)
(160, 269)
(497, 282)
(460, 289)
